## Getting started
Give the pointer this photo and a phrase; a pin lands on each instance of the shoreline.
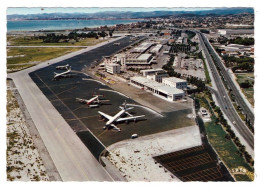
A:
(71, 29)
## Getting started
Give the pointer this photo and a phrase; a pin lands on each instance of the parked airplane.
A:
(63, 67)
(93, 102)
(62, 75)
(117, 118)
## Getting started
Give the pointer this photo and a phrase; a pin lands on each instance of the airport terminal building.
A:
(159, 89)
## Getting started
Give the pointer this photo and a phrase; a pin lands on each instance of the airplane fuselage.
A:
(91, 100)
(113, 119)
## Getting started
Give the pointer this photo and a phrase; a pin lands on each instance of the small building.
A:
(109, 60)
(142, 47)
(175, 82)
(156, 49)
(137, 59)
(155, 74)
(151, 71)
(113, 68)
(158, 89)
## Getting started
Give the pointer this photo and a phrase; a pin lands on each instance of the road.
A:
(225, 102)
(71, 157)
(239, 99)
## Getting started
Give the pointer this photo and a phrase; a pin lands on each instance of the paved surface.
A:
(239, 99)
(225, 102)
(72, 159)
(51, 170)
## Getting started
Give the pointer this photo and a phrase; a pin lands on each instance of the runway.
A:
(71, 157)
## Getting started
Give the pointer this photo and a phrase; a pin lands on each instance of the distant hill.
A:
(128, 14)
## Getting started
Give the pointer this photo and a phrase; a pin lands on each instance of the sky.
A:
(38, 10)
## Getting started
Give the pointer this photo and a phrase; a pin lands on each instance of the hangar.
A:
(159, 89)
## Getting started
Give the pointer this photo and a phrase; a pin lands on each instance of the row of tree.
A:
(192, 80)
(53, 38)
(219, 119)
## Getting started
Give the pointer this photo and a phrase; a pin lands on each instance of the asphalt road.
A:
(225, 102)
(239, 99)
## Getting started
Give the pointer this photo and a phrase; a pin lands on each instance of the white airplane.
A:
(64, 74)
(93, 102)
(63, 67)
(117, 118)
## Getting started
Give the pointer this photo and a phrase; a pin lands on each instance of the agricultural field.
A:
(248, 92)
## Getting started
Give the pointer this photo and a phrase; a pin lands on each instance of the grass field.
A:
(31, 41)
(249, 92)
(226, 149)
(21, 58)
(241, 177)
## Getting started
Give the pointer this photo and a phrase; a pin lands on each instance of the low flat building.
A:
(155, 74)
(156, 49)
(137, 59)
(175, 82)
(151, 71)
(142, 47)
(158, 89)
(113, 68)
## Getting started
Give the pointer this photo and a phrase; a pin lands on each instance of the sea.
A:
(36, 25)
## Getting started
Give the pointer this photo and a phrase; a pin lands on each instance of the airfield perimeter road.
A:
(225, 102)
(71, 157)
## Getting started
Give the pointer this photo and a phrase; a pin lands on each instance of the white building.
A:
(158, 89)
(121, 58)
(109, 60)
(137, 59)
(175, 82)
(142, 47)
(113, 68)
(156, 49)
(155, 74)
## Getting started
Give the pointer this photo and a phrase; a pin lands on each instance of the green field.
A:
(248, 92)
(27, 57)
(31, 41)
(226, 149)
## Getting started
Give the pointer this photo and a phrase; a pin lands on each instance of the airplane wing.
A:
(129, 118)
(105, 115)
(115, 127)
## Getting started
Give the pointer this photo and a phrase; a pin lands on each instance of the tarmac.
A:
(71, 157)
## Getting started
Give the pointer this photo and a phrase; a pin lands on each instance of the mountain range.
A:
(129, 14)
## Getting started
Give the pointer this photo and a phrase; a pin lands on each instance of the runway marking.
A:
(102, 133)
(60, 99)
(66, 90)
(94, 81)
(83, 117)
(102, 89)
(82, 106)
(62, 85)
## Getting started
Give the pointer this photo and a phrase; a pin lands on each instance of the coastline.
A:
(62, 25)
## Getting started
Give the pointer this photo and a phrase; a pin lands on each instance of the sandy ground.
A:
(23, 160)
(134, 157)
